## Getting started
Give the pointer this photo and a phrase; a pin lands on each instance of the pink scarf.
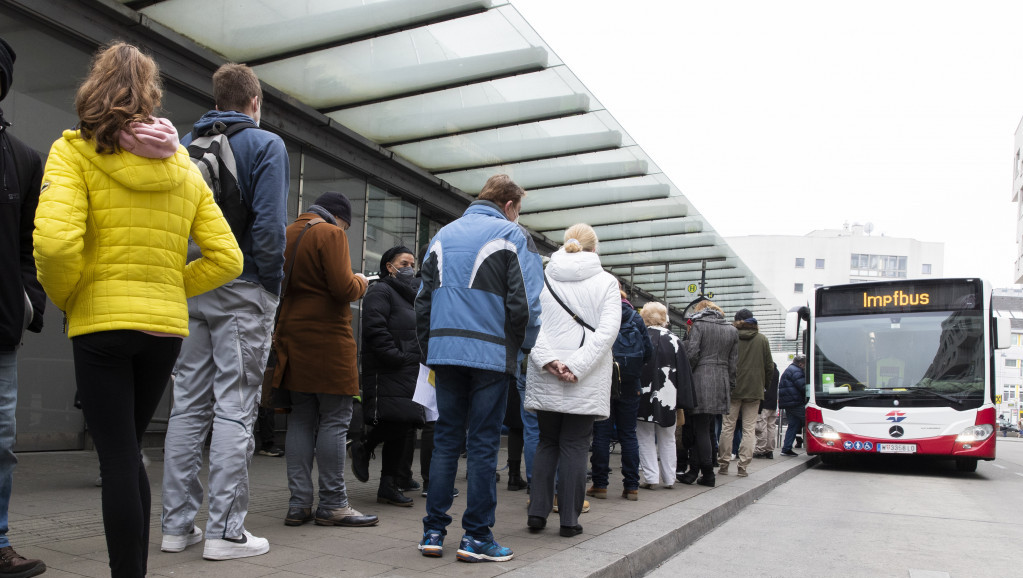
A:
(158, 140)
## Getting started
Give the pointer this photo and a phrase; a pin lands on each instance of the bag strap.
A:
(291, 265)
(220, 127)
(575, 317)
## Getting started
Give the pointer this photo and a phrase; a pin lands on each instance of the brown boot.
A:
(595, 492)
(631, 495)
(13, 564)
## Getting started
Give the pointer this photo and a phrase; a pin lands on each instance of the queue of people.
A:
(198, 296)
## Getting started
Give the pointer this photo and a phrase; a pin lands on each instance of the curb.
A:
(638, 547)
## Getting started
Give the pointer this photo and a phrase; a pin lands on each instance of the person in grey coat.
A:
(712, 345)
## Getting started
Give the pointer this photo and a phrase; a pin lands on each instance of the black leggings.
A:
(392, 436)
(121, 377)
(700, 455)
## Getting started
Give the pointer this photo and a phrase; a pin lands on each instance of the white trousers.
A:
(656, 442)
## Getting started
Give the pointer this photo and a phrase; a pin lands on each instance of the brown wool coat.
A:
(315, 345)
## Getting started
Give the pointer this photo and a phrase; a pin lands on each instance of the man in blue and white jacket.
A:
(477, 312)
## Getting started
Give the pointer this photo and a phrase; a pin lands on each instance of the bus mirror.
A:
(1003, 332)
(792, 324)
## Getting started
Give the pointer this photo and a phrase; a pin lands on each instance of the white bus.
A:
(902, 367)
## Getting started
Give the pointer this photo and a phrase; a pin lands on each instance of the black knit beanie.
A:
(7, 57)
(337, 205)
(390, 254)
(743, 315)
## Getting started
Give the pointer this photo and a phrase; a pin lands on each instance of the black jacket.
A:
(21, 172)
(390, 353)
(771, 391)
(792, 388)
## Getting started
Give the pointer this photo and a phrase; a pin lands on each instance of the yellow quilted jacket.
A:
(112, 234)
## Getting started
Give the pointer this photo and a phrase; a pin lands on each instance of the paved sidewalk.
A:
(55, 515)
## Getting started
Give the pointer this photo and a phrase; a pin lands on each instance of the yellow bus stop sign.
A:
(692, 288)
(998, 399)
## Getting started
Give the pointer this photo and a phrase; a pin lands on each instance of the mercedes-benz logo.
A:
(896, 431)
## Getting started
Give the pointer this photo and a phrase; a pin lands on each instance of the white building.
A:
(1009, 303)
(791, 267)
(1017, 197)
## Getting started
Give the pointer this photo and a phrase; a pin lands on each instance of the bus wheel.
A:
(829, 459)
(966, 464)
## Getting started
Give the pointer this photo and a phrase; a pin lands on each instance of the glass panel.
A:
(571, 135)
(522, 98)
(597, 193)
(451, 52)
(427, 230)
(294, 186)
(912, 355)
(320, 177)
(599, 166)
(677, 226)
(244, 30)
(661, 256)
(606, 214)
(391, 222)
(658, 243)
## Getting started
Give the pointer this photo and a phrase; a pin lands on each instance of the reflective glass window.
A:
(391, 222)
(319, 177)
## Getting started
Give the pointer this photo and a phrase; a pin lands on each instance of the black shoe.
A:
(569, 531)
(764, 455)
(388, 493)
(788, 453)
(536, 523)
(706, 480)
(295, 517)
(687, 478)
(516, 483)
(409, 485)
(360, 461)
(799, 441)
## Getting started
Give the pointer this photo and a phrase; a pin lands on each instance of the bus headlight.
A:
(822, 431)
(976, 433)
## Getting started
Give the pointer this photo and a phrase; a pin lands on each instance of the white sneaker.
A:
(172, 543)
(231, 548)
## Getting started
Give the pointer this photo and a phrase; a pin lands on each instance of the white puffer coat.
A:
(592, 294)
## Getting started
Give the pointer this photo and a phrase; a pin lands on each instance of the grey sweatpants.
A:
(217, 383)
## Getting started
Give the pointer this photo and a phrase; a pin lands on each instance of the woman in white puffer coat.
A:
(568, 383)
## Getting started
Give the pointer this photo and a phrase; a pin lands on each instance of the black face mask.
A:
(405, 274)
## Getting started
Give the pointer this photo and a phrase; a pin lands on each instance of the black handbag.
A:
(272, 397)
(616, 370)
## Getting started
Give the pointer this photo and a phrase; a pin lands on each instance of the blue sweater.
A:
(479, 305)
(264, 177)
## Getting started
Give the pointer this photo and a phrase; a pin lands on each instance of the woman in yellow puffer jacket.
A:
(119, 200)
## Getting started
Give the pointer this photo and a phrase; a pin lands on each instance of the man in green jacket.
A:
(754, 372)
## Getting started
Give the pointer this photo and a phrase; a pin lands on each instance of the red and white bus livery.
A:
(902, 367)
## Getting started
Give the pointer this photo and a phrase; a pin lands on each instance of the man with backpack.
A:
(632, 349)
(219, 372)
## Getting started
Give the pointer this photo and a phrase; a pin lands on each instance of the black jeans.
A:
(121, 377)
(701, 455)
(393, 436)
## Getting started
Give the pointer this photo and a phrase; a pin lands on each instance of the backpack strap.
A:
(223, 128)
(571, 313)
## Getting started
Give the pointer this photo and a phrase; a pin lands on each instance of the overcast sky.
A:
(784, 117)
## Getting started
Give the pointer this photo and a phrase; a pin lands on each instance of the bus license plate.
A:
(896, 448)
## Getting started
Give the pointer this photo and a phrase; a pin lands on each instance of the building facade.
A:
(1008, 303)
(791, 267)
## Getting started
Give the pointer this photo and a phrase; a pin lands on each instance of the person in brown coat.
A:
(317, 360)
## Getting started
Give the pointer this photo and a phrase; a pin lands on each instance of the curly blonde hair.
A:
(123, 87)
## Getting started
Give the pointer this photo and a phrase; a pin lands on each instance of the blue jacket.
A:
(264, 177)
(479, 305)
(792, 388)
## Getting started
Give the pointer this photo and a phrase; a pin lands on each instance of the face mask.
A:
(405, 274)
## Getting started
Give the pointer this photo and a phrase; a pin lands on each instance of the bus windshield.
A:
(927, 358)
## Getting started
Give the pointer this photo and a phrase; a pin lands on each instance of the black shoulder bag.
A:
(616, 374)
(275, 397)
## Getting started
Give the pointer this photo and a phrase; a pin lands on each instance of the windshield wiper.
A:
(916, 390)
(850, 398)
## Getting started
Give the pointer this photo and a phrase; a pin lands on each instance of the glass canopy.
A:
(467, 89)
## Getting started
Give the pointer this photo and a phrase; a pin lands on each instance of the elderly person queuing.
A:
(667, 390)
(568, 383)
(712, 345)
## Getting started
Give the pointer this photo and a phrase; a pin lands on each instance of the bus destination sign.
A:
(904, 297)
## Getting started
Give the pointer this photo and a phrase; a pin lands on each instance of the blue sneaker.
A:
(472, 550)
(432, 544)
